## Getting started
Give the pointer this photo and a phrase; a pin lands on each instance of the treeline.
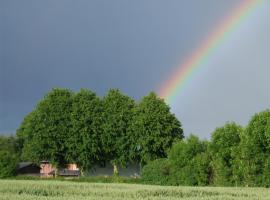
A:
(234, 156)
(82, 128)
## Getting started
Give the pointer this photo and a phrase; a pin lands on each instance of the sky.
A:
(133, 46)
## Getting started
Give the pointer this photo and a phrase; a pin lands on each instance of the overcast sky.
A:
(133, 46)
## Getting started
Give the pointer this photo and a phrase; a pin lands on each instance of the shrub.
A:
(190, 162)
(157, 172)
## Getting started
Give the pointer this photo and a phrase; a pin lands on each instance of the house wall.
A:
(72, 167)
(132, 170)
(46, 168)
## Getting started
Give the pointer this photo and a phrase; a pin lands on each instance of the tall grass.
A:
(66, 190)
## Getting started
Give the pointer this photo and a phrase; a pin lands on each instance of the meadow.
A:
(60, 190)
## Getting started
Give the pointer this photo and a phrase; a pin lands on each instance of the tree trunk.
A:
(55, 172)
(82, 172)
(115, 170)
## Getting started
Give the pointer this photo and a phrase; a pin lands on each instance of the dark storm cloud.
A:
(97, 44)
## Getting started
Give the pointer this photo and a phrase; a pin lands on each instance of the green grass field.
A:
(67, 190)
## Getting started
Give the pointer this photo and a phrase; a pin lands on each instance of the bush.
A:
(190, 162)
(8, 164)
(157, 172)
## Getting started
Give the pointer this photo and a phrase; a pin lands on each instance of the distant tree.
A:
(154, 129)
(9, 156)
(10, 144)
(25, 134)
(8, 163)
(190, 162)
(224, 143)
(84, 142)
(45, 130)
(256, 149)
(117, 116)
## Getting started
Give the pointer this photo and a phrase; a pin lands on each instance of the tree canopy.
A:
(117, 116)
(255, 149)
(224, 144)
(67, 127)
(155, 128)
(82, 128)
(46, 129)
(190, 162)
(84, 141)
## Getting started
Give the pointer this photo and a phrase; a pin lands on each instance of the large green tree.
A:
(84, 142)
(256, 149)
(154, 129)
(117, 116)
(46, 129)
(224, 145)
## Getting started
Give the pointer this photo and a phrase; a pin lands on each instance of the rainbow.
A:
(199, 57)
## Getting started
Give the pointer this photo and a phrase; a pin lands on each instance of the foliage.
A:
(9, 156)
(190, 162)
(84, 142)
(266, 173)
(25, 134)
(10, 144)
(157, 172)
(155, 129)
(81, 128)
(47, 127)
(256, 148)
(224, 143)
(117, 116)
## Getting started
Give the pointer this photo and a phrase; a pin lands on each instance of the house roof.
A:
(44, 161)
(26, 164)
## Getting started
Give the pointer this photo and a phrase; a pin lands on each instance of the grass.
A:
(89, 179)
(67, 190)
